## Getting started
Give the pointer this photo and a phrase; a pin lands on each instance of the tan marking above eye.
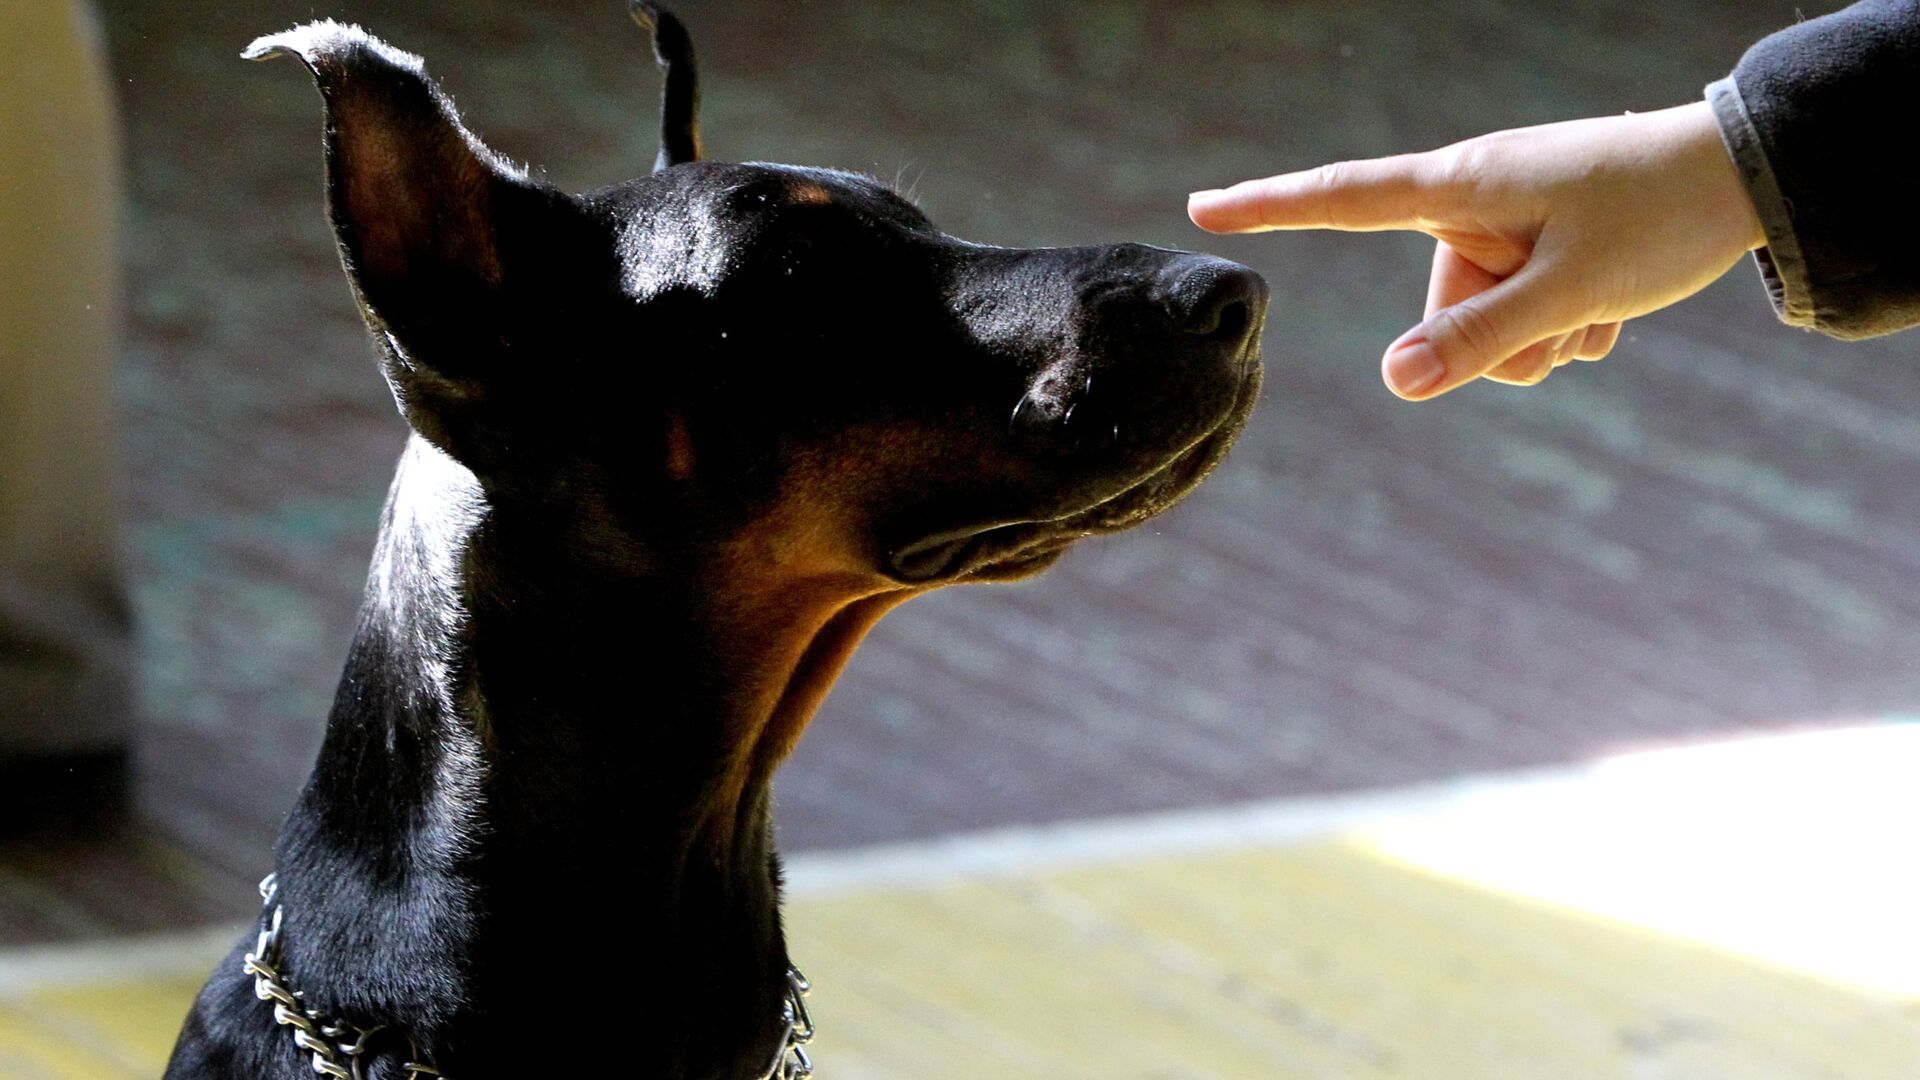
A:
(807, 194)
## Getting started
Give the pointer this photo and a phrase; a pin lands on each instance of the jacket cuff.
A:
(1783, 267)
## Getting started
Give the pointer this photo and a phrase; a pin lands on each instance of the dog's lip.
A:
(962, 552)
(965, 551)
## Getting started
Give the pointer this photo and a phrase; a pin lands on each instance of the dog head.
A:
(791, 359)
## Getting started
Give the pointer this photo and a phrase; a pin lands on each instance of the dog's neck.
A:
(538, 770)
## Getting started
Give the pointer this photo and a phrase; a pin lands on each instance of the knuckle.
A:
(1444, 186)
(1472, 163)
(1328, 182)
(1454, 165)
(1333, 175)
(1481, 171)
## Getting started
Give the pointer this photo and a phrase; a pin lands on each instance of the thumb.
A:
(1461, 342)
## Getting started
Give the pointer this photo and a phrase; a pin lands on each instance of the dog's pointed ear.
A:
(680, 96)
(434, 228)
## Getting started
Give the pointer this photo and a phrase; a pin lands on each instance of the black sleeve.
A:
(1821, 120)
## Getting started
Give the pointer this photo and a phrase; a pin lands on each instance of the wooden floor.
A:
(1429, 934)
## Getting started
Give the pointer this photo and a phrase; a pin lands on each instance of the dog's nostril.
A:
(1218, 300)
(1231, 322)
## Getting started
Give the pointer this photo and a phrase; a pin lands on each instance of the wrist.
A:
(1720, 186)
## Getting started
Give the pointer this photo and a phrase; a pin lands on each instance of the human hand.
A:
(1548, 236)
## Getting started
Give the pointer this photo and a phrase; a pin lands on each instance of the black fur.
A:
(676, 444)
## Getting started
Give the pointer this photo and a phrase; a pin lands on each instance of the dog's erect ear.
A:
(438, 232)
(680, 97)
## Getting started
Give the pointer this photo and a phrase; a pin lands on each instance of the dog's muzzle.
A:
(1134, 395)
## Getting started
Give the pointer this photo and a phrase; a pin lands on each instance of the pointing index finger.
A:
(1355, 196)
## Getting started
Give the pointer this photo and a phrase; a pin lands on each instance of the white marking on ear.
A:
(318, 44)
(310, 41)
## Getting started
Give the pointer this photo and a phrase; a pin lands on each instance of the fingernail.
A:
(1199, 200)
(1411, 367)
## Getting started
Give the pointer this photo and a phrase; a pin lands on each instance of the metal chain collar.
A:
(339, 1048)
(790, 1060)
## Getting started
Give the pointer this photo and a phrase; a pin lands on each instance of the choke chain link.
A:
(790, 1060)
(338, 1047)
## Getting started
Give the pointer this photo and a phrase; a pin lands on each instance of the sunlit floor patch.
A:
(1802, 850)
(1322, 961)
(1739, 912)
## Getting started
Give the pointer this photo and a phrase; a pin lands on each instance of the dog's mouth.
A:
(1017, 549)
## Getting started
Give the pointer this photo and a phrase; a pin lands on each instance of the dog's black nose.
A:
(1214, 299)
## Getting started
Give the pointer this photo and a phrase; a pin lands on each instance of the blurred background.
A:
(1527, 732)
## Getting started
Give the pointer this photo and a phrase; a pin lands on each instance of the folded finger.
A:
(1454, 279)
(1599, 341)
(1531, 364)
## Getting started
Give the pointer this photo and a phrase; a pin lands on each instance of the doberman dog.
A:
(675, 445)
